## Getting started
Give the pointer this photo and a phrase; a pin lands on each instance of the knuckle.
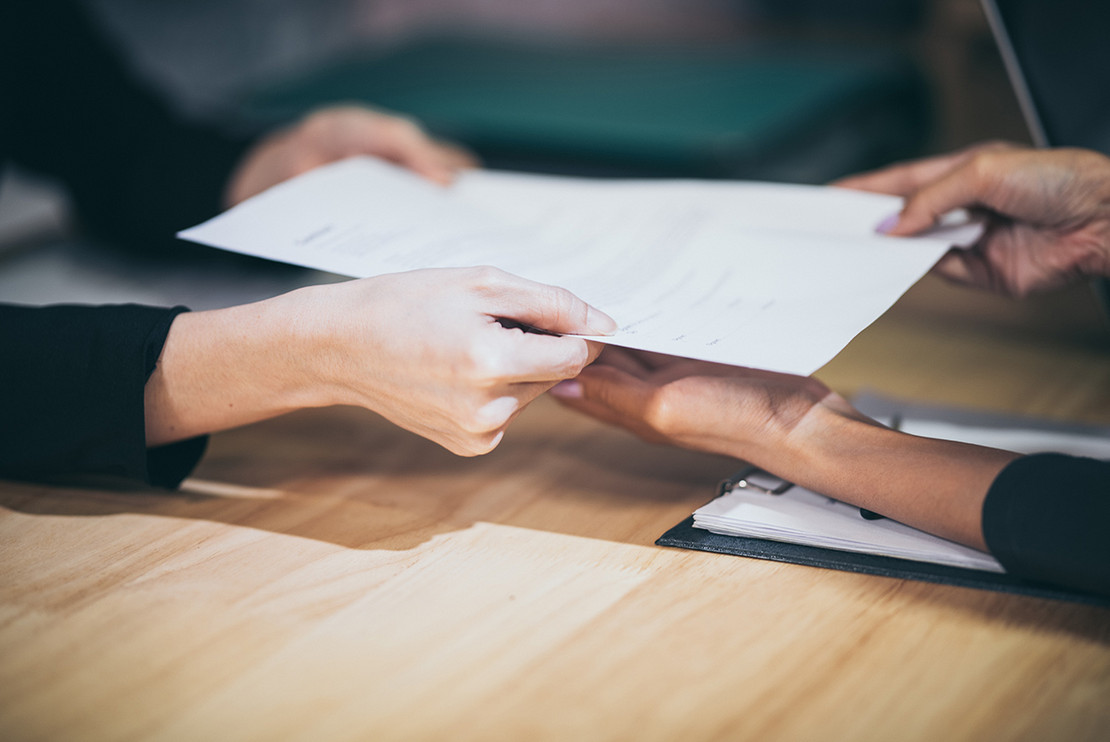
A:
(578, 357)
(487, 444)
(317, 123)
(660, 412)
(984, 166)
(472, 421)
(486, 279)
(568, 309)
(483, 363)
(478, 444)
(997, 145)
(462, 447)
(494, 415)
(474, 425)
(403, 128)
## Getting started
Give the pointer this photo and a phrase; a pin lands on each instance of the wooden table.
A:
(327, 577)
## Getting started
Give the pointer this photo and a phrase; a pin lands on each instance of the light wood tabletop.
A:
(325, 576)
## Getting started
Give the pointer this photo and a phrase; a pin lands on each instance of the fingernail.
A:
(568, 389)
(600, 323)
(888, 224)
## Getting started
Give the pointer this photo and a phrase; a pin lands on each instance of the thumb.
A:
(960, 188)
(547, 308)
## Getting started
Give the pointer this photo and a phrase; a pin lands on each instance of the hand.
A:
(335, 133)
(1048, 212)
(796, 428)
(703, 406)
(424, 349)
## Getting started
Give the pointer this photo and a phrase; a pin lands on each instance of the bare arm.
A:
(796, 428)
(424, 349)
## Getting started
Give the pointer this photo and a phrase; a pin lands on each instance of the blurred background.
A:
(213, 55)
(793, 90)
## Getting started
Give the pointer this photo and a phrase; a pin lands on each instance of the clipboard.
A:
(686, 536)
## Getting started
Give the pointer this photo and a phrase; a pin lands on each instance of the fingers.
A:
(967, 179)
(540, 306)
(965, 186)
(483, 429)
(998, 270)
(457, 157)
(403, 142)
(527, 356)
(629, 361)
(344, 131)
(607, 393)
(903, 179)
(594, 350)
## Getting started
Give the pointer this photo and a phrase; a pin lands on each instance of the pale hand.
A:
(428, 350)
(336, 133)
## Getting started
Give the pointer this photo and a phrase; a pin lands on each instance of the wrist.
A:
(228, 367)
(291, 350)
(816, 448)
(935, 485)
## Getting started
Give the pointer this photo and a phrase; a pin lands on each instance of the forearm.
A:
(229, 367)
(936, 486)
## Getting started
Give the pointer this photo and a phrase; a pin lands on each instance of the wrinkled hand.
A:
(741, 412)
(338, 132)
(429, 351)
(1048, 212)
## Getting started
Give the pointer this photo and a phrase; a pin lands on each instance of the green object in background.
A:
(768, 111)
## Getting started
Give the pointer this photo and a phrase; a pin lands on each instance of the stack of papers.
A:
(799, 516)
(779, 277)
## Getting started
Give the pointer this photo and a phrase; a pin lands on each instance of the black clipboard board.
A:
(686, 536)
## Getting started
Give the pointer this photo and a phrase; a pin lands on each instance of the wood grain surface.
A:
(325, 576)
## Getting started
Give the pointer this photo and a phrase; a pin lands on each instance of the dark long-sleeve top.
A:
(1047, 517)
(72, 378)
(70, 108)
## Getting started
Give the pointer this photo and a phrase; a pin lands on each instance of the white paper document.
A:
(773, 276)
(800, 516)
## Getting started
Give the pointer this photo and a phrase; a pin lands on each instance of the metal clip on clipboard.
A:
(755, 479)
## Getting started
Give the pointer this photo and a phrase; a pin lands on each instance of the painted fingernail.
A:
(568, 389)
(888, 224)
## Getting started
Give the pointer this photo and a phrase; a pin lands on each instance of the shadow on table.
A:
(347, 477)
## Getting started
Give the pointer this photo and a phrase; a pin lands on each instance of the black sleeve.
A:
(71, 394)
(1047, 517)
(69, 108)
